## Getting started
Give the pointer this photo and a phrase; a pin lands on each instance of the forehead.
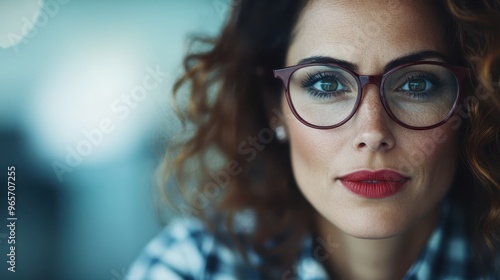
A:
(366, 31)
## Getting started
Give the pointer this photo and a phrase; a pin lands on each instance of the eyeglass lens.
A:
(417, 95)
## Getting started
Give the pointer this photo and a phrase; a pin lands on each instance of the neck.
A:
(389, 258)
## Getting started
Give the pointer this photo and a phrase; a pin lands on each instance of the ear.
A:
(274, 101)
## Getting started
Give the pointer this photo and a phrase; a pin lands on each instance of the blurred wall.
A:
(84, 118)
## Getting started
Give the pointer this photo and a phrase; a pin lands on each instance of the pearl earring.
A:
(280, 133)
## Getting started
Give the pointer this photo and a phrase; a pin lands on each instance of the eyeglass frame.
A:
(284, 74)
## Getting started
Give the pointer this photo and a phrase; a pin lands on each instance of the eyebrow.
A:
(327, 59)
(412, 57)
(416, 56)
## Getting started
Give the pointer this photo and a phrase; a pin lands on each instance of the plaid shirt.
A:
(184, 250)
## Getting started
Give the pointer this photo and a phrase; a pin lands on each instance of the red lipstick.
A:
(374, 184)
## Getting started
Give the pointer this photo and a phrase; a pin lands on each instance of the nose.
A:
(372, 123)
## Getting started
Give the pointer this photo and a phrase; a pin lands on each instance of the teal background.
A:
(64, 78)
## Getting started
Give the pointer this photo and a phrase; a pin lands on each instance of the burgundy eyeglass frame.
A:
(284, 75)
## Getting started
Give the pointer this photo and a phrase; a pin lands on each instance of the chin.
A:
(375, 227)
(380, 231)
(374, 233)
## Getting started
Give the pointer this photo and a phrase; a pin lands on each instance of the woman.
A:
(338, 139)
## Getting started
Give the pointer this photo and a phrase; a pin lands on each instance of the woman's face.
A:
(369, 35)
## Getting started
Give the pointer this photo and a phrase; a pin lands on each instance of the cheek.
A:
(433, 153)
(309, 158)
(445, 159)
(312, 151)
(430, 157)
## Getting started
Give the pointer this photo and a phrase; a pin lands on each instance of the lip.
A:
(374, 184)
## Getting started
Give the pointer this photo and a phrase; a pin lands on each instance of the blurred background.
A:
(85, 117)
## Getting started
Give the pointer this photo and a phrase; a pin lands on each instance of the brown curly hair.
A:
(228, 159)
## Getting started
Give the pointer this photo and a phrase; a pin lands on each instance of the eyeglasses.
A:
(420, 95)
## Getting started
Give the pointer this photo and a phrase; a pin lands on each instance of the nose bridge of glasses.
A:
(375, 80)
(370, 79)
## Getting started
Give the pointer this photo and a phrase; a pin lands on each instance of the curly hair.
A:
(479, 40)
(229, 159)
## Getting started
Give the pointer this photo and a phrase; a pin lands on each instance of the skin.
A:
(378, 238)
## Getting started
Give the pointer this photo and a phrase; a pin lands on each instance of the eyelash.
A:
(436, 83)
(314, 78)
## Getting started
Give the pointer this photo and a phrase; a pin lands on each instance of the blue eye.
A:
(420, 86)
(325, 84)
(417, 85)
(328, 84)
